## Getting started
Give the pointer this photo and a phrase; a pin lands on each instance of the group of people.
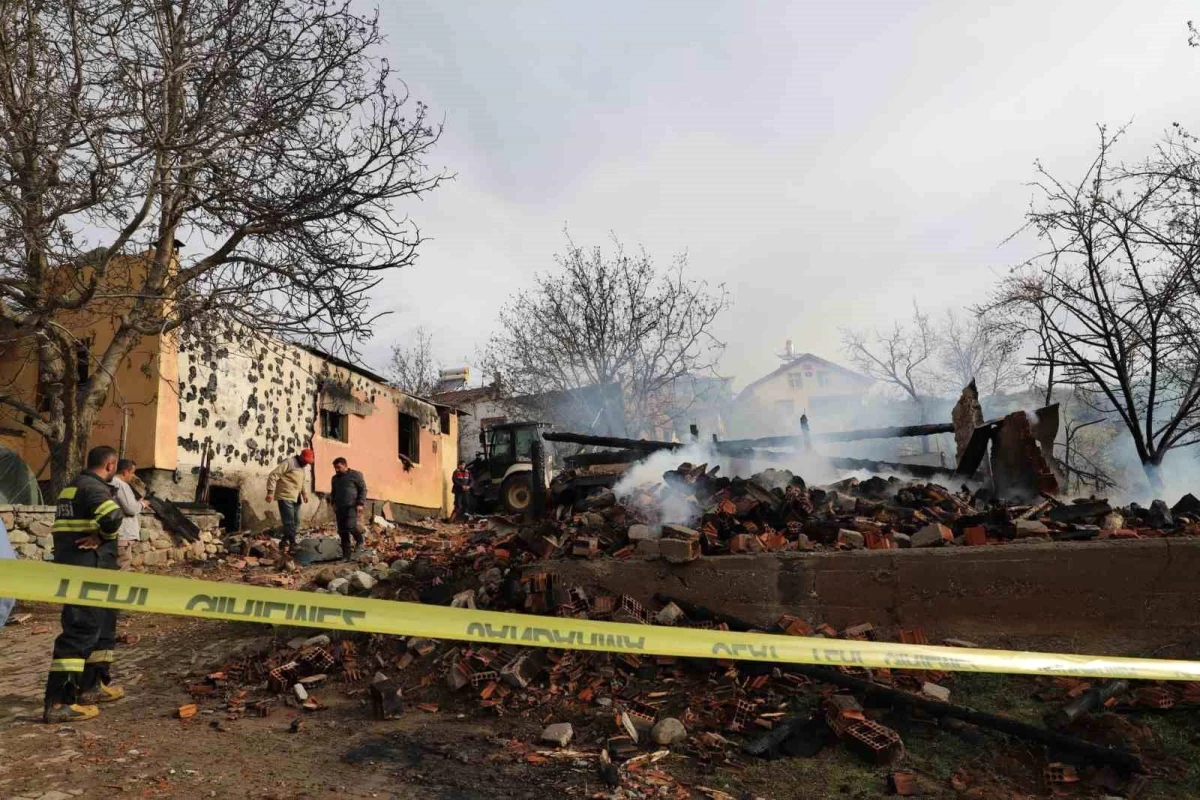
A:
(95, 523)
(347, 495)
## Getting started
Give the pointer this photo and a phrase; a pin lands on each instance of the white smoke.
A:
(671, 506)
(1179, 474)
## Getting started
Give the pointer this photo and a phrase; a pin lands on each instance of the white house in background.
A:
(804, 384)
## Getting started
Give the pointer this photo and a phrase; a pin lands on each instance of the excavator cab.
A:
(502, 476)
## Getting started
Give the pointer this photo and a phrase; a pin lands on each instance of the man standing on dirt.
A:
(286, 484)
(462, 489)
(348, 494)
(86, 521)
(131, 530)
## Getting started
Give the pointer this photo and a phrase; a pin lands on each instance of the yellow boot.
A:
(103, 693)
(59, 713)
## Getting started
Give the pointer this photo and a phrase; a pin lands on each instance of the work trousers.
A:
(461, 506)
(289, 517)
(83, 652)
(347, 526)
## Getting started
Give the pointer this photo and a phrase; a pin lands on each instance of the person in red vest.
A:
(462, 489)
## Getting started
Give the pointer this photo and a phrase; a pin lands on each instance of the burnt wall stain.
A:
(254, 401)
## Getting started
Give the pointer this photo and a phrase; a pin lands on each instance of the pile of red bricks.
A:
(696, 512)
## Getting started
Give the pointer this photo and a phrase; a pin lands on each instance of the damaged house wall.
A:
(254, 401)
(380, 422)
(258, 401)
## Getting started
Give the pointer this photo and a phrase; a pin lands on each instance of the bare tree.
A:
(975, 349)
(1112, 296)
(899, 357)
(1081, 455)
(604, 319)
(266, 134)
(414, 368)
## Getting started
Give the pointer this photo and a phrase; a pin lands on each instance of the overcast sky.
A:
(827, 161)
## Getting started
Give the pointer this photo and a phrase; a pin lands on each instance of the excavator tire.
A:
(516, 493)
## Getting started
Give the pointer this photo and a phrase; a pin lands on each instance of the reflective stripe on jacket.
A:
(86, 506)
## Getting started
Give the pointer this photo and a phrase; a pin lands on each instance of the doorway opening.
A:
(227, 501)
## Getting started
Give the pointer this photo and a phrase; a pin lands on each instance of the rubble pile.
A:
(775, 511)
(627, 712)
(624, 705)
(772, 511)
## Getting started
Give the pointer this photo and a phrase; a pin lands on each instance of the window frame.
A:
(414, 432)
(326, 416)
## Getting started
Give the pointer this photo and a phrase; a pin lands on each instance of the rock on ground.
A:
(668, 731)
(639, 533)
(362, 581)
(933, 535)
(559, 733)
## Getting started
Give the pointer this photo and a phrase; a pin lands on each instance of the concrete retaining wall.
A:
(1116, 596)
(29, 531)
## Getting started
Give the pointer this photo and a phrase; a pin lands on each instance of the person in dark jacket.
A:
(348, 494)
(86, 521)
(462, 491)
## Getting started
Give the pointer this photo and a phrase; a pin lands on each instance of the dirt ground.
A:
(139, 748)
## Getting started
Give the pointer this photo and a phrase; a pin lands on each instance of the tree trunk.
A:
(68, 457)
(922, 419)
(1152, 466)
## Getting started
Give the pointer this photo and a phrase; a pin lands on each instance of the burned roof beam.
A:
(847, 436)
(741, 449)
(645, 445)
(767, 441)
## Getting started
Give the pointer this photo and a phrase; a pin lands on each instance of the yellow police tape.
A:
(56, 583)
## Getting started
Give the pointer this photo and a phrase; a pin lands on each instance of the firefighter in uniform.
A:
(86, 522)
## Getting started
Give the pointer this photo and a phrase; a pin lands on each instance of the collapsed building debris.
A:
(776, 511)
(621, 706)
(1021, 446)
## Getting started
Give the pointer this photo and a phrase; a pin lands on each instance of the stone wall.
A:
(29, 531)
(1087, 597)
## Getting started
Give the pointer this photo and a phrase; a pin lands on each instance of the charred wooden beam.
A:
(603, 457)
(537, 502)
(1089, 701)
(1062, 742)
(846, 436)
(734, 449)
(644, 445)
(975, 450)
(1099, 754)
